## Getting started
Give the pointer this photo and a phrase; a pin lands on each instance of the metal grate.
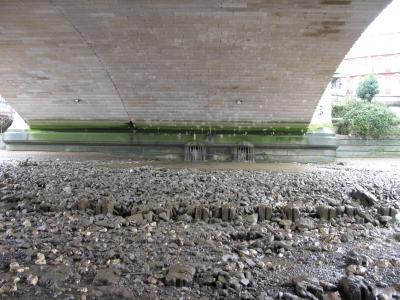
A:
(195, 152)
(244, 153)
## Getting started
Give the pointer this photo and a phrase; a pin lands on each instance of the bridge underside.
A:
(173, 67)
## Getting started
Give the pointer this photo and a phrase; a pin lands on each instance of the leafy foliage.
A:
(368, 88)
(368, 120)
(339, 109)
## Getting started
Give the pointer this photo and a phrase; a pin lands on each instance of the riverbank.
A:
(110, 229)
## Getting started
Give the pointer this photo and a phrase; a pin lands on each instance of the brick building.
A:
(376, 52)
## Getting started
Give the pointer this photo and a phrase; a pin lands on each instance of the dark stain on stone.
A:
(234, 87)
(332, 23)
(327, 24)
(335, 2)
(318, 29)
(321, 32)
(42, 78)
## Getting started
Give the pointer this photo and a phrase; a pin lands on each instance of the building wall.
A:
(376, 52)
(386, 68)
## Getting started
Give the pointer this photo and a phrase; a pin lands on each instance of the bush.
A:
(368, 88)
(368, 120)
(339, 109)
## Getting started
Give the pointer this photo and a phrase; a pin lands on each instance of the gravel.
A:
(91, 230)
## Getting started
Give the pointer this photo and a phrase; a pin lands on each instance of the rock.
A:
(346, 237)
(149, 216)
(234, 283)
(365, 197)
(8, 288)
(152, 280)
(285, 223)
(127, 254)
(180, 275)
(136, 218)
(327, 286)
(356, 270)
(164, 216)
(385, 219)
(305, 224)
(251, 219)
(5, 261)
(249, 262)
(109, 222)
(308, 288)
(185, 218)
(67, 190)
(332, 296)
(264, 296)
(106, 277)
(54, 275)
(244, 281)
(383, 263)
(41, 259)
(355, 258)
(230, 257)
(114, 292)
(32, 279)
(397, 287)
(289, 296)
(356, 288)
(27, 224)
(14, 267)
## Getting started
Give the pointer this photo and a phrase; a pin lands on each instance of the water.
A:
(114, 160)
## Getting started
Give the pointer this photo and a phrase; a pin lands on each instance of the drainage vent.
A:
(244, 153)
(195, 152)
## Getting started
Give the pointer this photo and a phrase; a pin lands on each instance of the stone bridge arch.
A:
(210, 66)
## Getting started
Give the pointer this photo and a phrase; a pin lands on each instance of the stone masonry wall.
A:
(172, 61)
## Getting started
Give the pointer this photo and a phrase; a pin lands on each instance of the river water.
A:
(121, 161)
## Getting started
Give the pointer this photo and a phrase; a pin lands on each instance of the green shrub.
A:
(339, 109)
(368, 88)
(368, 120)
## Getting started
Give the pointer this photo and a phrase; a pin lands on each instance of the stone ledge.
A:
(168, 146)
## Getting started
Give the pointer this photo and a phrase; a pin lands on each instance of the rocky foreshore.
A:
(83, 230)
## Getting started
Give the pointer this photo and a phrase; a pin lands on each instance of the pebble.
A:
(41, 259)
(113, 233)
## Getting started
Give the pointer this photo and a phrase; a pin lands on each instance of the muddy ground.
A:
(105, 230)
